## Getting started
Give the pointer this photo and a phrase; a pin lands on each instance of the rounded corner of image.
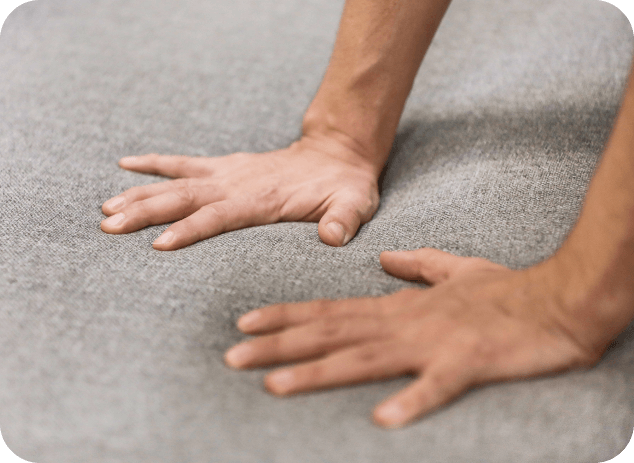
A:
(3, 20)
(3, 441)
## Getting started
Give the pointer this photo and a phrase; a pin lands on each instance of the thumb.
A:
(428, 265)
(339, 224)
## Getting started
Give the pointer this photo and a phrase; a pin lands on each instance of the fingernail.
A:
(114, 220)
(129, 159)
(337, 230)
(250, 320)
(281, 381)
(164, 238)
(115, 203)
(239, 355)
(391, 414)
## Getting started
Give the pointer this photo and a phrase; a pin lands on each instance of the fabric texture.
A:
(112, 352)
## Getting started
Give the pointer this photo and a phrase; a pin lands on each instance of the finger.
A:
(341, 221)
(156, 210)
(211, 220)
(440, 383)
(306, 341)
(428, 265)
(368, 362)
(278, 316)
(139, 193)
(168, 166)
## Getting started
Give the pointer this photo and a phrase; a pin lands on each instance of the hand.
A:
(312, 180)
(479, 323)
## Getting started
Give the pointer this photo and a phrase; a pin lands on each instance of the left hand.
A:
(479, 323)
(316, 179)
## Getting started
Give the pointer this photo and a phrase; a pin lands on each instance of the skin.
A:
(479, 322)
(330, 175)
(215, 195)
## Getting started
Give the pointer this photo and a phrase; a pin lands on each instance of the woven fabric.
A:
(111, 351)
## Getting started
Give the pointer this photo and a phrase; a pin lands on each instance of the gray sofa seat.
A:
(112, 352)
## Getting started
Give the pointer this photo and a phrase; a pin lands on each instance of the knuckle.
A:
(138, 209)
(183, 164)
(269, 192)
(214, 211)
(478, 346)
(367, 207)
(370, 354)
(186, 194)
(352, 208)
(215, 217)
(330, 328)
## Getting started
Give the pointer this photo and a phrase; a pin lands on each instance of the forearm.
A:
(379, 48)
(598, 257)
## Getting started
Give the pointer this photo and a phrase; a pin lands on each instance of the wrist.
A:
(332, 147)
(595, 302)
(355, 128)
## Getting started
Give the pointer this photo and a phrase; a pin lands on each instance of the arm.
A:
(330, 174)
(480, 322)
(379, 48)
(598, 256)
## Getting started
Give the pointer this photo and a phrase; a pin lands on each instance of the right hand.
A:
(313, 180)
(479, 323)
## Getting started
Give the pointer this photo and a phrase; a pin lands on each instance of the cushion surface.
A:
(113, 352)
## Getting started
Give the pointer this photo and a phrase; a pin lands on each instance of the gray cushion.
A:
(112, 351)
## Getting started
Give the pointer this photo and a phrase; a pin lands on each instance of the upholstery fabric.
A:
(112, 352)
